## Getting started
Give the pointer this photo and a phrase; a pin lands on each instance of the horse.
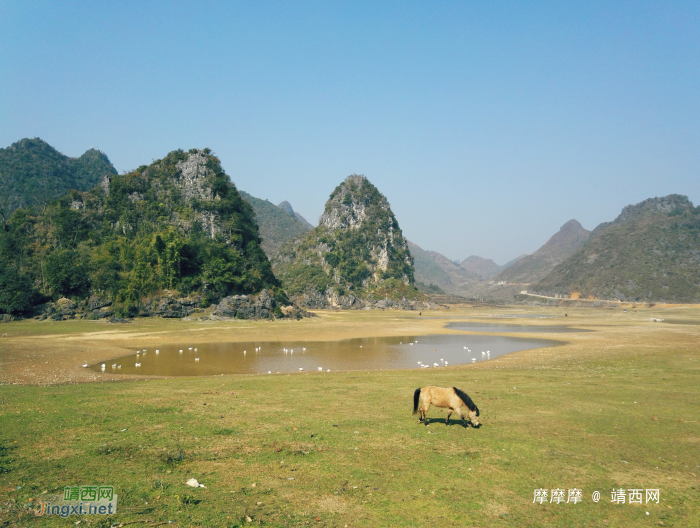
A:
(450, 397)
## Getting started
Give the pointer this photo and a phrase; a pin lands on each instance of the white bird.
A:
(483, 353)
(320, 369)
(157, 352)
(360, 346)
(189, 348)
(400, 342)
(114, 365)
(416, 340)
(103, 366)
(180, 351)
(292, 351)
(303, 349)
(301, 368)
(244, 351)
(119, 367)
(435, 365)
(465, 348)
(195, 350)
(269, 372)
(85, 365)
(410, 343)
(137, 365)
(445, 363)
(442, 359)
(473, 360)
(420, 362)
(145, 349)
(196, 359)
(328, 370)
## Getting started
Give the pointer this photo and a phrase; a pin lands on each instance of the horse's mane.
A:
(467, 400)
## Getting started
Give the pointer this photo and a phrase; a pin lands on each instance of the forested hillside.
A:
(177, 227)
(32, 172)
(356, 253)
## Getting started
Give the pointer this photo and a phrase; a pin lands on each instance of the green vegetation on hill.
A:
(358, 247)
(32, 172)
(651, 252)
(277, 225)
(178, 224)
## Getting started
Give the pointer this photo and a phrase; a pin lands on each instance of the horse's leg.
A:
(425, 413)
(459, 412)
(447, 420)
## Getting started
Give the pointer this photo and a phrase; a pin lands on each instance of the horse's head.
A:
(473, 418)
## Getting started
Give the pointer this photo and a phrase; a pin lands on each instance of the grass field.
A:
(615, 408)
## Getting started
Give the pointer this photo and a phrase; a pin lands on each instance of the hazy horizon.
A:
(486, 126)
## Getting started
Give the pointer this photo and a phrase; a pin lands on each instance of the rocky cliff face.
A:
(357, 253)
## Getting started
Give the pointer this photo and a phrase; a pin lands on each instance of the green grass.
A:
(356, 454)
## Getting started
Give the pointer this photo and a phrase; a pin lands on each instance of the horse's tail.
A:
(466, 400)
(416, 396)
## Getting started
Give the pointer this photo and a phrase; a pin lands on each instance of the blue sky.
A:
(487, 125)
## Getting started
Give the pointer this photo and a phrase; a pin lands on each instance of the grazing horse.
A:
(450, 397)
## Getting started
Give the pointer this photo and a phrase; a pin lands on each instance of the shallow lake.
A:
(291, 356)
(511, 328)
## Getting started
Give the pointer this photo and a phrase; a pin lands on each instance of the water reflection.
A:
(291, 356)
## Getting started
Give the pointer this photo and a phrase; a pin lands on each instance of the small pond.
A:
(193, 359)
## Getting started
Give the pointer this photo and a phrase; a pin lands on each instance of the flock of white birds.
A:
(484, 355)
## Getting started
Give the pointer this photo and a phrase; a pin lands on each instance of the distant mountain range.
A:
(32, 172)
(650, 252)
(557, 249)
(168, 215)
(278, 224)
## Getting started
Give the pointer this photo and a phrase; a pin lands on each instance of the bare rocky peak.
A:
(191, 177)
(347, 207)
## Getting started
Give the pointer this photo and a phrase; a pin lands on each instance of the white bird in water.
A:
(303, 349)
(483, 353)
(103, 366)
(119, 367)
(465, 348)
(114, 365)
(435, 365)
(244, 351)
(196, 359)
(195, 350)
(85, 365)
(420, 362)
(157, 351)
(300, 368)
(328, 370)
(360, 346)
(442, 359)
(189, 348)
(320, 369)
(180, 351)
(137, 365)
(473, 360)
(445, 363)
(269, 372)
(410, 343)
